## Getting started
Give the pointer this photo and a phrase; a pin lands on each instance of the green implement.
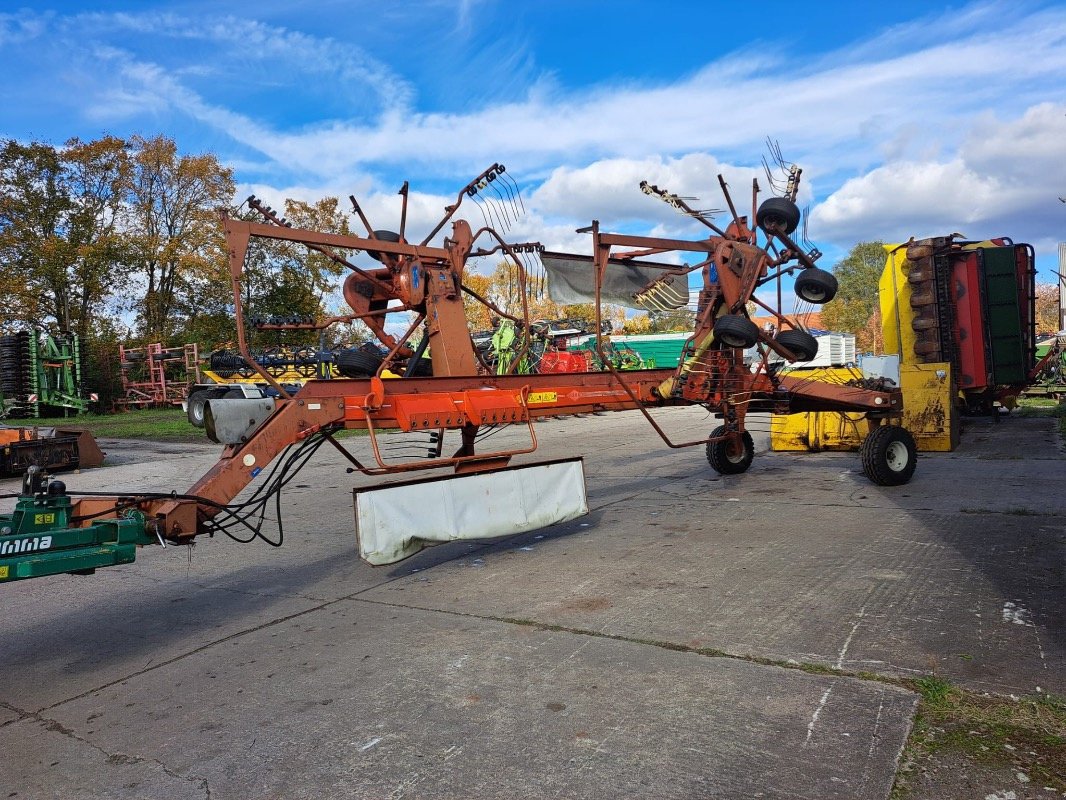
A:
(37, 538)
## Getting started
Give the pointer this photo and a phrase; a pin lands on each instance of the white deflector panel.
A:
(396, 521)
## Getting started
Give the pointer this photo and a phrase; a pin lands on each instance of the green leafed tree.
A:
(856, 309)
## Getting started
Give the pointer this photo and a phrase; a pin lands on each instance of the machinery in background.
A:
(154, 375)
(958, 321)
(41, 375)
(1050, 371)
(52, 449)
(968, 304)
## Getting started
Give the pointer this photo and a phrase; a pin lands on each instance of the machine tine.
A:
(517, 191)
(403, 209)
(481, 208)
(506, 182)
(503, 203)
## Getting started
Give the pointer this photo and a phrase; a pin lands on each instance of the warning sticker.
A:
(542, 397)
(44, 519)
(3, 573)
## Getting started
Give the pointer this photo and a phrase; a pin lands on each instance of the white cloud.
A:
(906, 96)
(895, 132)
(1004, 179)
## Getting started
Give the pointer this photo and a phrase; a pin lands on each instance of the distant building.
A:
(812, 320)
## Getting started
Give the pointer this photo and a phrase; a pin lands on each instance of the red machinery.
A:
(154, 375)
(465, 396)
(973, 305)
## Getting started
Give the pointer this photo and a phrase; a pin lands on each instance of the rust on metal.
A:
(427, 280)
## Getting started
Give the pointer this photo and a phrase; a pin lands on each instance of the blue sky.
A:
(909, 118)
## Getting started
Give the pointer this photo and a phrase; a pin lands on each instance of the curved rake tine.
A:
(477, 202)
(517, 190)
(510, 195)
(493, 214)
(503, 201)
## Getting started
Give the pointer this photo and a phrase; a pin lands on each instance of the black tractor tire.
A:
(356, 363)
(801, 343)
(778, 214)
(816, 286)
(889, 455)
(722, 461)
(734, 330)
(384, 236)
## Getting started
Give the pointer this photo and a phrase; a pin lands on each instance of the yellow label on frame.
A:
(3, 573)
(542, 397)
(44, 519)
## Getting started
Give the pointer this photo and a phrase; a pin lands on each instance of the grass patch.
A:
(159, 424)
(154, 424)
(1025, 734)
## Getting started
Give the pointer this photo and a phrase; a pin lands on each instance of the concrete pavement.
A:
(650, 649)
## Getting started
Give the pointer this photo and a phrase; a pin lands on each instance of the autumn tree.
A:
(478, 315)
(287, 279)
(175, 238)
(1048, 319)
(60, 250)
(672, 321)
(856, 308)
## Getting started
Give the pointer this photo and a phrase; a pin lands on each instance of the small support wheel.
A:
(815, 285)
(195, 407)
(734, 330)
(725, 456)
(384, 236)
(799, 342)
(778, 213)
(889, 455)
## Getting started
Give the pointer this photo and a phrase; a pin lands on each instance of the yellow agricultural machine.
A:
(958, 318)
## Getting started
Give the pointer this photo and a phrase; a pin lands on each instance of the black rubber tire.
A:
(778, 213)
(816, 286)
(385, 236)
(195, 406)
(889, 455)
(733, 330)
(356, 363)
(720, 459)
(801, 343)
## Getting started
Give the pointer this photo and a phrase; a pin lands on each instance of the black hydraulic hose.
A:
(412, 362)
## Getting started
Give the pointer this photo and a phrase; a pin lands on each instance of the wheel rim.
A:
(729, 340)
(812, 294)
(734, 458)
(896, 456)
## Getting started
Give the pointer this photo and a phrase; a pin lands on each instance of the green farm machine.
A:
(38, 371)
